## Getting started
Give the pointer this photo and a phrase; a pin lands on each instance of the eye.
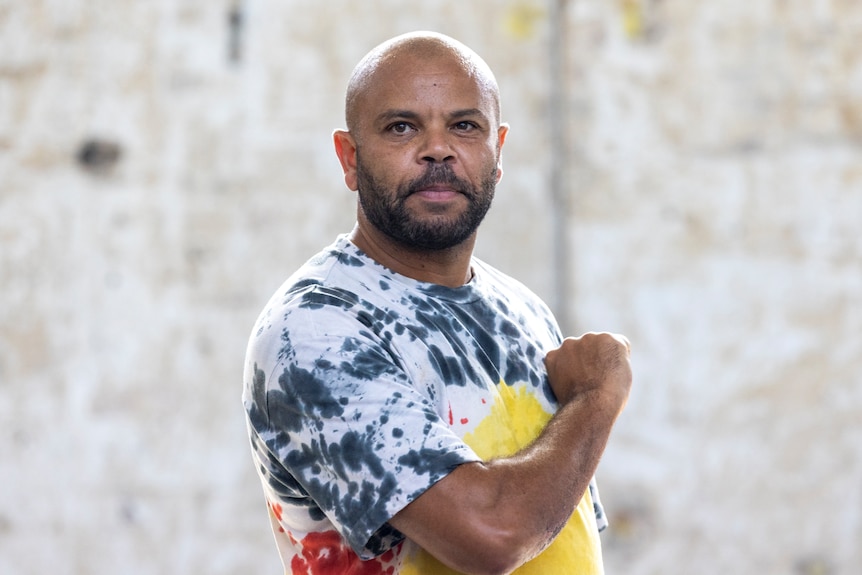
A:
(399, 128)
(465, 126)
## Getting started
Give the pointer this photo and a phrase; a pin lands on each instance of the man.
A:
(411, 409)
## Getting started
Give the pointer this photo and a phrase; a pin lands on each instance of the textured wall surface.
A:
(165, 165)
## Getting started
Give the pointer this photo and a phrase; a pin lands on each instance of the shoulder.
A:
(339, 295)
(497, 283)
(337, 277)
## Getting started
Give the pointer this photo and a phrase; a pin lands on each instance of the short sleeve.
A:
(336, 411)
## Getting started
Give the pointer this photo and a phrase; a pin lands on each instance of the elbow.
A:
(497, 554)
(480, 548)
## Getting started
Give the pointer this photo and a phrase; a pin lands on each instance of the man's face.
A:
(427, 153)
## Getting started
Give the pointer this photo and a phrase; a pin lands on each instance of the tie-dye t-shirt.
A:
(364, 387)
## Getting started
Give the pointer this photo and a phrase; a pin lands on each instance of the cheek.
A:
(389, 168)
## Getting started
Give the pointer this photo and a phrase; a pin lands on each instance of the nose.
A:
(436, 146)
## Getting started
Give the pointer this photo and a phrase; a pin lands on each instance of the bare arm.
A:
(492, 517)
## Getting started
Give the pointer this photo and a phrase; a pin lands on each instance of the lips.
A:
(438, 192)
(438, 183)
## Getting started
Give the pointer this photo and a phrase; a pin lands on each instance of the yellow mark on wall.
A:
(521, 19)
(633, 18)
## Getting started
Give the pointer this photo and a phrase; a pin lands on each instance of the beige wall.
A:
(713, 179)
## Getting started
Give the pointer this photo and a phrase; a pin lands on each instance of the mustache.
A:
(437, 174)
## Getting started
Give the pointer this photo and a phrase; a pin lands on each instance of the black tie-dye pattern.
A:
(358, 397)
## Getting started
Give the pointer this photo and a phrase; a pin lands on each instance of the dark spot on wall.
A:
(98, 156)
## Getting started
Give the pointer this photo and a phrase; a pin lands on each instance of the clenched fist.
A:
(595, 363)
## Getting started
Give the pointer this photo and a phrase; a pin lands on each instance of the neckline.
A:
(466, 293)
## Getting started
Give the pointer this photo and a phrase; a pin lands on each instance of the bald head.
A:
(419, 47)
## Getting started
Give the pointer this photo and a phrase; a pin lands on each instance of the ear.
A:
(345, 149)
(502, 131)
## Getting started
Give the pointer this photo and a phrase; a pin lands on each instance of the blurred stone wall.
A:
(165, 165)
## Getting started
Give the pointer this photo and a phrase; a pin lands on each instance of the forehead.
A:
(425, 83)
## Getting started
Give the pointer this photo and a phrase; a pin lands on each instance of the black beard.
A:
(389, 214)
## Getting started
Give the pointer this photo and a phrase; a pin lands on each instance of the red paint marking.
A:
(276, 509)
(325, 553)
(464, 421)
(451, 419)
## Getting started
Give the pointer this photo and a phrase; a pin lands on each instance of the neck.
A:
(449, 267)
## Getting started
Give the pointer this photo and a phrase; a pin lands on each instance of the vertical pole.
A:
(559, 124)
(236, 22)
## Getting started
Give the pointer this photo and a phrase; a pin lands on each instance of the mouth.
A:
(436, 192)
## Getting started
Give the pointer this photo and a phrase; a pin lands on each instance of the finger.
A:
(623, 340)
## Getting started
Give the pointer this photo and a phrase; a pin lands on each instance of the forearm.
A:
(492, 517)
(536, 491)
(559, 465)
